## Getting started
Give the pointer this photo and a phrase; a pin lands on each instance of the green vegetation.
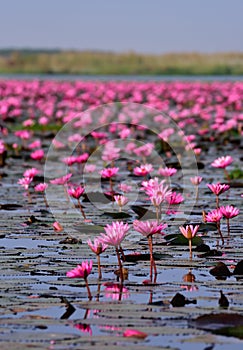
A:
(236, 174)
(108, 63)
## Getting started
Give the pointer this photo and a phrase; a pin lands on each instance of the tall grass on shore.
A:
(108, 63)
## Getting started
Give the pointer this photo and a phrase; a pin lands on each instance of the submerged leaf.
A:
(211, 322)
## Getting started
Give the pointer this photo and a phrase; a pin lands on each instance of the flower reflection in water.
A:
(189, 278)
(116, 291)
(83, 327)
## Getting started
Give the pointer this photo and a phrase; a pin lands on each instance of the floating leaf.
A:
(220, 270)
(180, 300)
(179, 239)
(145, 257)
(239, 268)
(116, 215)
(236, 331)
(141, 211)
(71, 240)
(211, 322)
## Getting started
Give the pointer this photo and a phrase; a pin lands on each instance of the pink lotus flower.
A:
(38, 154)
(148, 228)
(109, 172)
(70, 160)
(197, 151)
(143, 170)
(90, 168)
(130, 147)
(25, 182)
(124, 133)
(41, 187)
(82, 158)
(57, 226)
(196, 180)
(58, 144)
(23, 134)
(144, 150)
(215, 216)
(125, 188)
(31, 172)
(43, 121)
(28, 122)
(175, 198)
(229, 212)
(167, 171)
(189, 232)
(121, 200)
(115, 233)
(61, 180)
(2, 147)
(155, 188)
(75, 138)
(222, 162)
(81, 271)
(35, 144)
(158, 193)
(97, 246)
(76, 192)
(218, 188)
(110, 152)
(99, 135)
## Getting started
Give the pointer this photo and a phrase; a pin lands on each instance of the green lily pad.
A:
(236, 173)
(146, 257)
(116, 215)
(231, 331)
(229, 324)
(179, 239)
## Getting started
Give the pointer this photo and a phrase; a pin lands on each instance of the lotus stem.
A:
(152, 262)
(120, 264)
(81, 209)
(45, 201)
(99, 268)
(122, 253)
(88, 289)
(226, 174)
(219, 231)
(190, 248)
(228, 226)
(197, 191)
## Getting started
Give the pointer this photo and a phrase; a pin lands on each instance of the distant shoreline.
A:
(122, 78)
(95, 63)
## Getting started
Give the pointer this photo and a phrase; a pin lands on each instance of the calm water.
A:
(75, 77)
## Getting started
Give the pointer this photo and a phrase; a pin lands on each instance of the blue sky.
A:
(147, 26)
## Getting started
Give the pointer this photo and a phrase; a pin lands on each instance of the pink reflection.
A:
(116, 291)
